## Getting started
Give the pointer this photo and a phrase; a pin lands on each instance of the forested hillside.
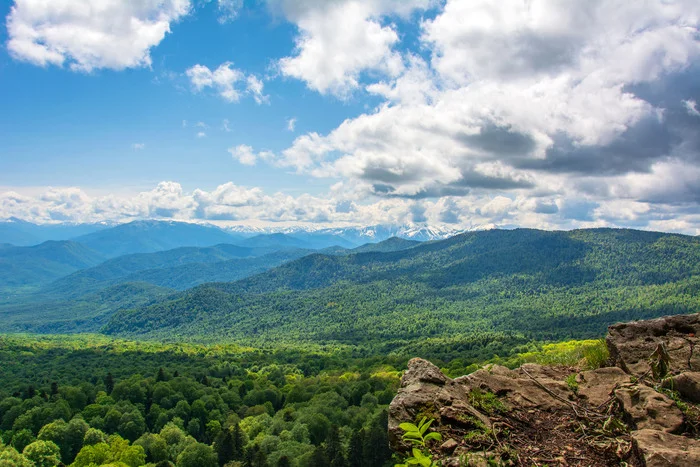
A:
(32, 265)
(493, 287)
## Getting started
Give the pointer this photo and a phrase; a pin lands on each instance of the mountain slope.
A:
(526, 282)
(84, 314)
(152, 236)
(386, 246)
(119, 269)
(189, 275)
(22, 233)
(21, 266)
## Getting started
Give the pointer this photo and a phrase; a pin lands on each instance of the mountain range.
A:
(319, 286)
(517, 284)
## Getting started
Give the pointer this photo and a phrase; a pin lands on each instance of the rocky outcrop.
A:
(659, 449)
(632, 344)
(536, 415)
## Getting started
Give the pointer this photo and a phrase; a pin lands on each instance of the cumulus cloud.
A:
(228, 82)
(138, 146)
(90, 34)
(339, 40)
(518, 99)
(247, 156)
(341, 206)
(291, 124)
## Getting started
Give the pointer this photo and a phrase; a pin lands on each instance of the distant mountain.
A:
(21, 266)
(276, 241)
(180, 269)
(528, 283)
(21, 233)
(152, 236)
(386, 246)
(192, 274)
(349, 237)
(123, 268)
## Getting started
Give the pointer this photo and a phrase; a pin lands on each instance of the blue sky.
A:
(462, 113)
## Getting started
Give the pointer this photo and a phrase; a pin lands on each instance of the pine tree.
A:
(29, 392)
(237, 442)
(319, 458)
(224, 446)
(376, 449)
(161, 375)
(333, 443)
(109, 383)
(355, 455)
(54, 388)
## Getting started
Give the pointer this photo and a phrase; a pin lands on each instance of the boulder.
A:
(426, 391)
(518, 389)
(660, 449)
(649, 409)
(632, 344)
(687, 384)
(597, 386)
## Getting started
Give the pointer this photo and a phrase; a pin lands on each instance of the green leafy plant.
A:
(418, 435)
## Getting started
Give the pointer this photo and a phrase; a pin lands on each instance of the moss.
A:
(486, 402)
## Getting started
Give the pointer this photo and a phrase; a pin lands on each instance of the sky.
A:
(459, 113)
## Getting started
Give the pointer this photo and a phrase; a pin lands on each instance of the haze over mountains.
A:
(171, 280)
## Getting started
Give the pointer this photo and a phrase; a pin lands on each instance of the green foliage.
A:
(486, 401)
(43, 453)
(488, 291)
(223, 402)
(572, 383)
(419, 436)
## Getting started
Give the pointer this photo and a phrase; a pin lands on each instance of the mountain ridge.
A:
(523, 282)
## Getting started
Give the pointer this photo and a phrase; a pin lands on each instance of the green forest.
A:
(293, 361)
(91, 400)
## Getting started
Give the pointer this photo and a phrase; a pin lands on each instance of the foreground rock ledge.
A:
(544, 414)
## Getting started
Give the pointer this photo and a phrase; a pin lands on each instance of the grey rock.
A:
(660, 449)
(687, 384)
(649, 409)
(632, 344)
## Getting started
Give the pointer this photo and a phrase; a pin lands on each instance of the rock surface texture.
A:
(639, 410)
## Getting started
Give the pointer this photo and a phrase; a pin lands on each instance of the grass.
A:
(588, 354)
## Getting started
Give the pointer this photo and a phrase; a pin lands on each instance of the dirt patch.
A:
(557, 438)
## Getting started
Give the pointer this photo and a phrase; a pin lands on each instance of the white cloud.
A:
(244, 154)
(692, 107)
(338, 40)
(138, 146)
(90, 34)
(223, 80)
(228, 10)
(340, 206)
(255, 87)
(291, 124)
(226, 125)
(520, 96)
(227, 81)
(201, 134)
